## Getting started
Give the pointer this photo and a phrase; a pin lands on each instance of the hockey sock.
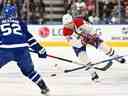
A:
(37, 79)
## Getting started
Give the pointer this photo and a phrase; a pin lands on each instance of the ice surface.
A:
(113, 82)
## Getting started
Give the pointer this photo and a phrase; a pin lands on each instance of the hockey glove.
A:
(35, 47)
(42, 53)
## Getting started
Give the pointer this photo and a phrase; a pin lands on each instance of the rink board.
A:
(65, 44)
(115, 35)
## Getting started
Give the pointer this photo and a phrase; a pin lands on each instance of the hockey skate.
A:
(95, 77)
(45, 92)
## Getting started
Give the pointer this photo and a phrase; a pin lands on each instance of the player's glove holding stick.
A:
(42, 53)
(37, 48)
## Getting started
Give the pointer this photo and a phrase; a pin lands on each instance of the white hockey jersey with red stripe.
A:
(79, 25)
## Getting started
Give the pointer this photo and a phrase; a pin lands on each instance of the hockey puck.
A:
(55, 65)
(52, 75)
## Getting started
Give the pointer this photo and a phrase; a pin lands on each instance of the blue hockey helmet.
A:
(9, 10)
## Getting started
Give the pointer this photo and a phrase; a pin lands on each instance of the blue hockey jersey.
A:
(13, 33)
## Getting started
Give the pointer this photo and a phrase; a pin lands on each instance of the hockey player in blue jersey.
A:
(15, 41)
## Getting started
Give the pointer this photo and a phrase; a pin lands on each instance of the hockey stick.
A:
(103, 61)
(107, 66)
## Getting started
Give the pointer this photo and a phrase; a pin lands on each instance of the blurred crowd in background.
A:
(32, 11)
(94, 11)
(99, 11)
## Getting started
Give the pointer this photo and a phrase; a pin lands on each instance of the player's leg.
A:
(5, 56)
(95, 41)
(83, 58)
(107, 49)
(25, 64)
(110, 51)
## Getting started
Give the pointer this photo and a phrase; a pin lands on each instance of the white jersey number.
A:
(8, 29)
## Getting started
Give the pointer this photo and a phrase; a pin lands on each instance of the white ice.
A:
(113, 82)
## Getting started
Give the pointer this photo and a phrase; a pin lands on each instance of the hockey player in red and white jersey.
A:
(78, 34)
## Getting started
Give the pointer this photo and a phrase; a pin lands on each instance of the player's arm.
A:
(83, 26)
(71, 37)
(33, 44)
(93, 37)
(36, 47)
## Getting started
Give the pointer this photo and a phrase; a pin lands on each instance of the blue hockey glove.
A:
(37, 48)
(42, 53)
